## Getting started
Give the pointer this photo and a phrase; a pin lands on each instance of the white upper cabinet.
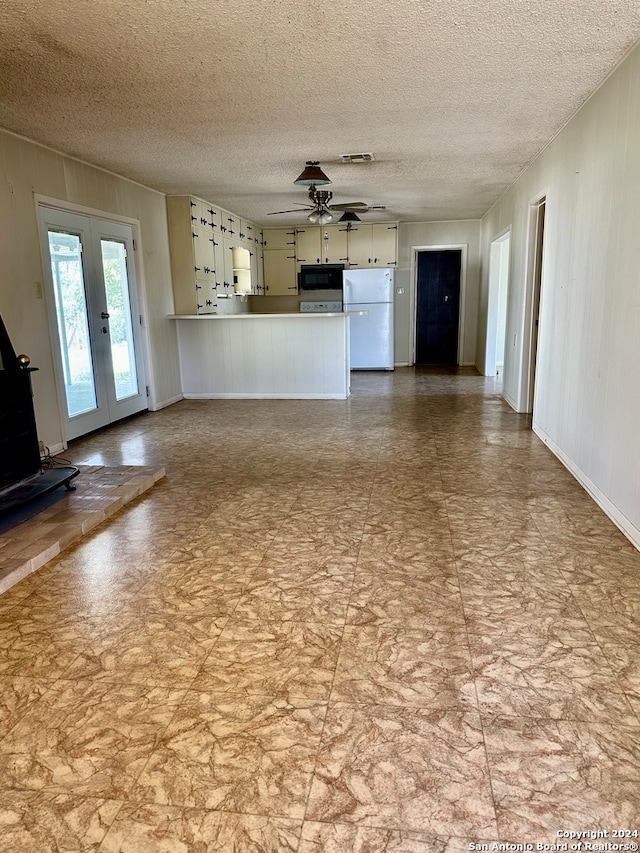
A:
(201, 240)
(279, 238)
(334, 244)
(309, 245)
(373, 245)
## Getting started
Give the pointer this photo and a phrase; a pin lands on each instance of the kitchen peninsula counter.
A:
(256, 356)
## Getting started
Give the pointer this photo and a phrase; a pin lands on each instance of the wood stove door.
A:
(94, 314)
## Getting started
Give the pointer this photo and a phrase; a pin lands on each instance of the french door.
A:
(95, 321)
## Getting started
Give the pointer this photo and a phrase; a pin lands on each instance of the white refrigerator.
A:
(371, 335)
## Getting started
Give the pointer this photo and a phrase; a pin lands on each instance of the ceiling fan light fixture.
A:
(349, 216)
(324, 217)
(312, 174)
(313, 216)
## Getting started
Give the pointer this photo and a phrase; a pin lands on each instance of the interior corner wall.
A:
(587, 400)
(27, 169)
(453, 233)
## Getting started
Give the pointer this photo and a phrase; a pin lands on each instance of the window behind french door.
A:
(95, 320)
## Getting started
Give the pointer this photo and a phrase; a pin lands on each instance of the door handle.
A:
(104, 315)
(446, 299)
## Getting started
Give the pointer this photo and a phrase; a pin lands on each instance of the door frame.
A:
(533, 293)
(413, 295)
(54, 345)
(496, 248)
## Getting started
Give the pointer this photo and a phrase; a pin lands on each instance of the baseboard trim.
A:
(619, 519)
(262, 396)
(164, 403)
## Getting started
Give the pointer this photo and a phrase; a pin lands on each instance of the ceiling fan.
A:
(320, 206)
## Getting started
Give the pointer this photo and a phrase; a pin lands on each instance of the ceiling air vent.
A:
(356, 158)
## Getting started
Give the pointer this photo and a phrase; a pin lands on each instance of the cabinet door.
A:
(279, 238)
(203, 254)
(229, 224)
(308, 245)
(257, 274)
(224, 265)
(384, 245)
(280, 272)
(359, 243)
(334, 245)
(248, 232)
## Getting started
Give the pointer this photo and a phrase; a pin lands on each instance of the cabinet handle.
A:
(195, 235)
(291, 258)
(375, 260)
(222, 228)
(197, 269)
(192, 203)
(211, 211)
(242, 236)
(194, 218)
(209, 302)
(392, 227)
(292, 288)
(203, 221)
(344, 259)
(213, 241)
(369, 260)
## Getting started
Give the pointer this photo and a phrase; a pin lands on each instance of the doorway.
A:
(93, 311)
(536, 235)
(497, 306)
(438, 275)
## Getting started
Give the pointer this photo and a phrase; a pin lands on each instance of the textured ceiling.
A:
(226, 99)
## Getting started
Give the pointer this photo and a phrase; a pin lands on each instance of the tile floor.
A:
(394, 624)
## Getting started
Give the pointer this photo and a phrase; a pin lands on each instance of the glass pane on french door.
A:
(73, 327)
(116, 282)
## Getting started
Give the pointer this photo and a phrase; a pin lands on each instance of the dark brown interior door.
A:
(438, 306)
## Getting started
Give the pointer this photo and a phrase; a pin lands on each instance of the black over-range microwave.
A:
(320, 277)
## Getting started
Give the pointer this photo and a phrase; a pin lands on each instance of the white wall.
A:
(27, 169)
(587, 403)
(413, 234)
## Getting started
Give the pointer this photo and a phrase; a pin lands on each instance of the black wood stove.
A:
(22, 477)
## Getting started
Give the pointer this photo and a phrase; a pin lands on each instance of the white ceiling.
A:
(226, 99)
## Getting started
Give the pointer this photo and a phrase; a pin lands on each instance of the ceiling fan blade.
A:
(350, 205)
(295, 210)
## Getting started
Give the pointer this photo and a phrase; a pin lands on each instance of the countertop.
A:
(247, 316)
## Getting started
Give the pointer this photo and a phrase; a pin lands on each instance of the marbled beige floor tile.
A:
(214, 593)
(151, 828)
(37, 822)
(412, 548)
(535, 677)
(17, 693)
(624, 659)
(252, 755)
(409, 668)
(608, 603)
(292, 659)
(313, 550)
(151, 649)
(230, 547)
(405, 599)
(429, 521)
(404, 769)
(516, 603)
(86, 738)
(44, 647)
(347, 838)
(552, 774)
(317, 597)
(296, 561)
